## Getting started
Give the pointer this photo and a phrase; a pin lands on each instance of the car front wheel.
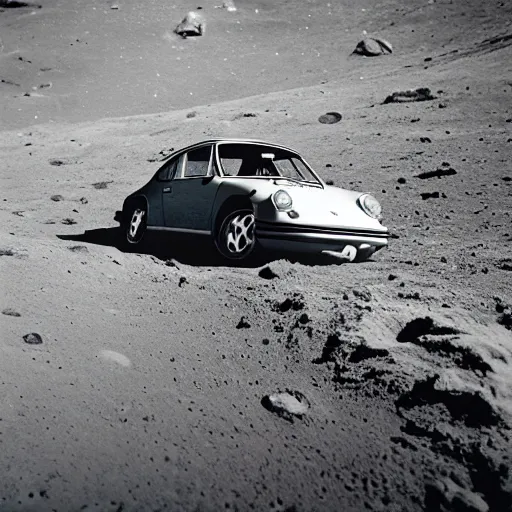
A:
(235, 239)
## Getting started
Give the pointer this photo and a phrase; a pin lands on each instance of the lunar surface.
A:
(167, 380)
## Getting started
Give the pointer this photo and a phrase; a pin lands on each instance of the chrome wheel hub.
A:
(239, 233)
(135, 223)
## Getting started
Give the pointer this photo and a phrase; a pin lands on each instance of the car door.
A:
(188, 198)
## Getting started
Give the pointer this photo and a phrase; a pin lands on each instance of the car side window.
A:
(198, 162)
(166, 173)
(231, 166)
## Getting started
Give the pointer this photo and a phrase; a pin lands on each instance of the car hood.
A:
(330, 207)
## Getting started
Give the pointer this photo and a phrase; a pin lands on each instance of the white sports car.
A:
(247, 194)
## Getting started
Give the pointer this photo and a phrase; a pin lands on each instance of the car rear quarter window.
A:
(166, 173)
(198, 162)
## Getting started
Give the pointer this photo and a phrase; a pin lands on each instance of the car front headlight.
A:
(370, 206)
(282, 200)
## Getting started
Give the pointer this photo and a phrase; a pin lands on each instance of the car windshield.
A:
(255, 160)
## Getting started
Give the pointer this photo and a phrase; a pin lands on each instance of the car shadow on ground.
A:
(188, 249)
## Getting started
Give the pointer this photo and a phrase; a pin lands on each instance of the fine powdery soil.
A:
(166, 380)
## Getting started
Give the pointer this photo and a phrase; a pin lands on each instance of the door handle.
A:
(167, 190)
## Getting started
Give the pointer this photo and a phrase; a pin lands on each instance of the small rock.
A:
(438, 173)
(10, 312)
(57, 163)
(329, 182)
(392, 277)
(425, 139)
(183, 280)
(363, 352)
(229, 5)
(114, 7)
(243, 324)
(505, 319)
(33, 338)
(420, 94)
(428, 195)
(363, 294)
(401, 181)
(101, 184)
(304, 318)
(78, 248)
(68, 221)
(447, 495)
(373, 47)
(192, 25)
(267, 273)
(287, 405)
(330, 118)
(57, 198)
(84, 200)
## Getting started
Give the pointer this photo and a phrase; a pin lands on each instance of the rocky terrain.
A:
(166, 380)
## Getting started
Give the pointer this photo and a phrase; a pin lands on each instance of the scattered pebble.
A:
(10, 312)
(78, 248)
(101, 184)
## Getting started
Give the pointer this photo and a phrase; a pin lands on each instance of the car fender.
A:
(237, 192)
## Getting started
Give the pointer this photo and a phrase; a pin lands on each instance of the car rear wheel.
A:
(135, 228)
(235, 239)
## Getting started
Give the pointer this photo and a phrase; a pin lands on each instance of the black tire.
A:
(135, 225)
(235, 239)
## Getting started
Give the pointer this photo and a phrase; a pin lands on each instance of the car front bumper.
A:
(314, 239)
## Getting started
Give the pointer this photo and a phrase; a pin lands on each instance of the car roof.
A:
(236, 141)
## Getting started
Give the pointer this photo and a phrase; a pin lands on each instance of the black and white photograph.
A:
(256, 255)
